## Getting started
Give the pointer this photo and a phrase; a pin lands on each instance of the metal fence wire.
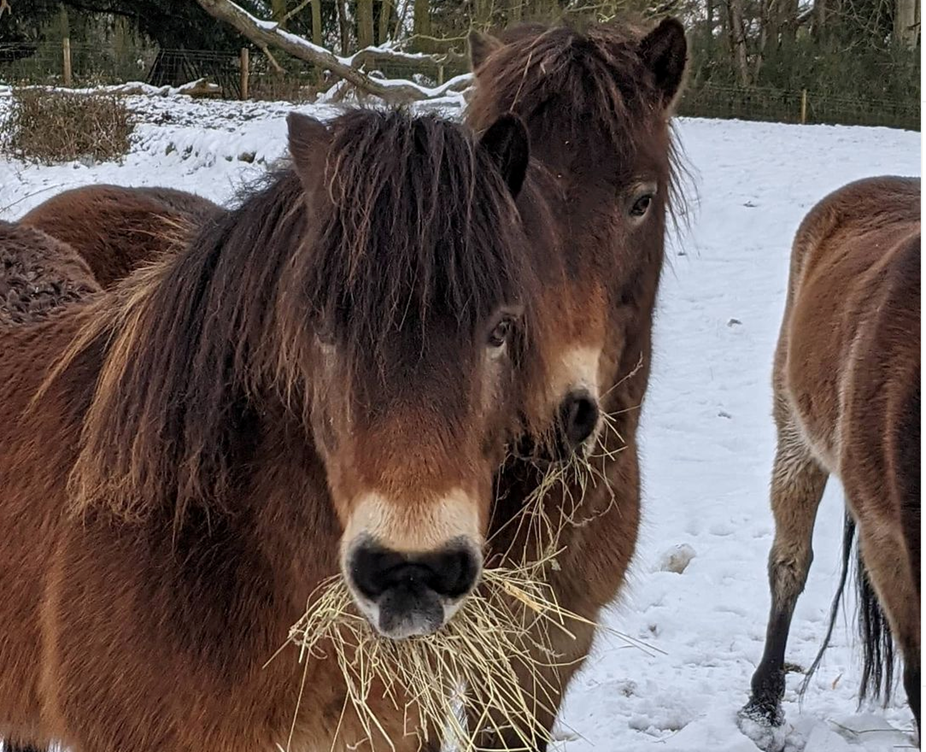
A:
(44, 64)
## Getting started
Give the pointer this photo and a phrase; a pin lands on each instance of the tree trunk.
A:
(787, 20)
(278, 8)
(364, 23)
(385, 13)
(905, 22)
(483, 14)
(317, 35)
(738, 40)
(819, 19)
(514, 11)
(342, 26)
(421, 23)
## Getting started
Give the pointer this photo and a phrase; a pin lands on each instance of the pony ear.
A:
(481, 45)
(308, 142)
(664, 51)
(508, 145)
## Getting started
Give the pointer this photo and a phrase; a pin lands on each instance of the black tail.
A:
(874, 630)
(877, 641)
(848, 537)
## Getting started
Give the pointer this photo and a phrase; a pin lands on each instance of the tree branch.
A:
(268, 33)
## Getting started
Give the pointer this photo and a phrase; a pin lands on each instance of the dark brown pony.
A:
(847, 402)
(597, 105)
(38, 275)
(117, 229)
(323, 380)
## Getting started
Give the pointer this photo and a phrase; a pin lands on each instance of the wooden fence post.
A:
(804, 107)
(66, 50)
(245, 71)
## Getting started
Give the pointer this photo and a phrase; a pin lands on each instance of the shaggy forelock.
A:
(414, 224)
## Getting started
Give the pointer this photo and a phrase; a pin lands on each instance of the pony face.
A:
(419, 285)
(596, 105)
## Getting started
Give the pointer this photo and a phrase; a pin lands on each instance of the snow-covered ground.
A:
(707, 436)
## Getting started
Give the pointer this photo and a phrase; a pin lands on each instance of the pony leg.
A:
(886, 564)
(798, 482)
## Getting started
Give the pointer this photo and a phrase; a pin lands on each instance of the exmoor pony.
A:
(323, 381)
(846, 385)
(597, 105)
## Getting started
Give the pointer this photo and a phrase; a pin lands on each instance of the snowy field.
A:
(708, 437)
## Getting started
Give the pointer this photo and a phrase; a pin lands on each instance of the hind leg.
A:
(885, 558)
(797, 487)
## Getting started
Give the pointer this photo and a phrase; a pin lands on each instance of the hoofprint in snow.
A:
(698, 590)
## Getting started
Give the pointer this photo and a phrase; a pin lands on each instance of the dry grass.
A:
(476, 665)
(431, 681)
(48, 126)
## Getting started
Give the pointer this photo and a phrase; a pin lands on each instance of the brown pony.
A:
(117, 229)
(322, 381)
(597, 106)
(38, 275)
(847, 402)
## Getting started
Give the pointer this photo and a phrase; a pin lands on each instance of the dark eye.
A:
(641, 205)
(501, 333)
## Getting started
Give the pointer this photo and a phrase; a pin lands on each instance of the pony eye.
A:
(641, 205)
(501, 333)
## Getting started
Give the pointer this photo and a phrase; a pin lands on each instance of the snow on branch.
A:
(269, 33)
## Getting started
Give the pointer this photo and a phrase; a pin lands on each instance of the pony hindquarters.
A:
(116, 229)
(38, 275)
(846, 383)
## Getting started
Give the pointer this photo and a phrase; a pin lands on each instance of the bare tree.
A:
(906, 22)
(348, 68)
(421, 20)
(317, 36)
(342, 27)
(5, 6)
(364, 23)
(737, 32)
(278, 8)
(385, 14)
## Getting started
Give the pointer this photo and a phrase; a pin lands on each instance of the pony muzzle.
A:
(406, 594)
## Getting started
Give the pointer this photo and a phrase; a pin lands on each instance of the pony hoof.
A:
(762, 723)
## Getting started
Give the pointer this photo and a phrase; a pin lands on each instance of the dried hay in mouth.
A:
(471, 664)
(467, 681)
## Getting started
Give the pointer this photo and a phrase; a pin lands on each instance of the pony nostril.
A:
(579, 416)
(450, 573)
(456, 572)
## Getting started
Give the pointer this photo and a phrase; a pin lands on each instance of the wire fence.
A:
(88, 65)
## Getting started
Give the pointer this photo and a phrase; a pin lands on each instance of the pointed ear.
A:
(481, 45)
(508, 145)
(309, 140)
(664, 51)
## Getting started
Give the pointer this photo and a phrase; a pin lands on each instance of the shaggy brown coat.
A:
(847, 403)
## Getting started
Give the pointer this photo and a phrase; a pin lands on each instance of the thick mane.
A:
(408, 218)
(555, 77)
(415, 223)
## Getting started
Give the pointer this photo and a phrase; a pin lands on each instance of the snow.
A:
(707, 433)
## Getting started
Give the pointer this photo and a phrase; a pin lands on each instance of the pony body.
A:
(186, 458)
